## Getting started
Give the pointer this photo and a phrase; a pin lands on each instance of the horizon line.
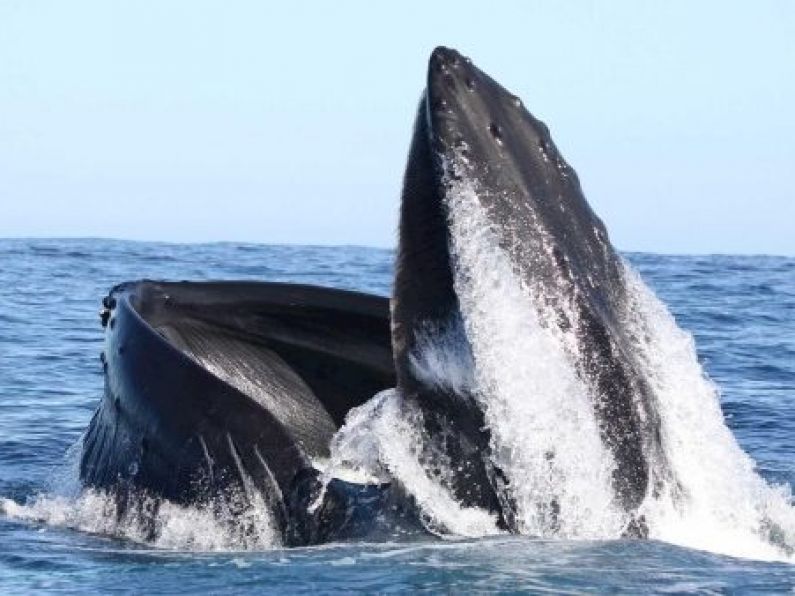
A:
(364, 246)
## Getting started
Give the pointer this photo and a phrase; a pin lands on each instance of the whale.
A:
(228, 394)
(468, 127)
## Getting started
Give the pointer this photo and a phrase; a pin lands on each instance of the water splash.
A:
(227, 523)
(717, 502)
(383, 439)
(544, 435)
(521, 367)
(154, 522)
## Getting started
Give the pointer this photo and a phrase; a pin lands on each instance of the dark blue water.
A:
(740, 309)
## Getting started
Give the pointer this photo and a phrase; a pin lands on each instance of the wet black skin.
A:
(214, 389)
(528, 192)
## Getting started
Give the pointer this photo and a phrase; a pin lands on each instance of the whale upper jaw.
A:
(470, 127)
(465, 105)
(529, 190)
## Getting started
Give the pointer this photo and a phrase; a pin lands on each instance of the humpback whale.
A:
(225, 393)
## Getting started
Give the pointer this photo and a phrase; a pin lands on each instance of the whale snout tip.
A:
(447, 76)
(445, 61)
(443, 55)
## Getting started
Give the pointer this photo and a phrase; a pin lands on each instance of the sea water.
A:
(740, 310)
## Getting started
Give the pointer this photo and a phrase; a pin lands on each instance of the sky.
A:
(289, 122)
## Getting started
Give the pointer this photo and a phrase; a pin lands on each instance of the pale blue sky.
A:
(289, 122)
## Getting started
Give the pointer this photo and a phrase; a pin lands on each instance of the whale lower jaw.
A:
(224, 394)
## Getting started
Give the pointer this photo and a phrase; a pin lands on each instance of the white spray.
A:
(715, 501)
(156, 522)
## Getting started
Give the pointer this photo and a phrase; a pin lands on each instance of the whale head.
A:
(475, 139)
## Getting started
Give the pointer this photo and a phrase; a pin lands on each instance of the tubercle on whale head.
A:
(473, 118)
(466, 107)
(486, 134)
(446, 83)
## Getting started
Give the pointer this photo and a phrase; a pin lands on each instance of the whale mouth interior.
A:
(306, 354)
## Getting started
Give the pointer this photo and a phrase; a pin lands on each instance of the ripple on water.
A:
(741, 309)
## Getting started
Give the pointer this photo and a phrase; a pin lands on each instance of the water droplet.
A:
(543, 146)
(439, 104)
(496, 131)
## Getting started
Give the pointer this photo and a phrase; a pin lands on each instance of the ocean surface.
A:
(740, 309)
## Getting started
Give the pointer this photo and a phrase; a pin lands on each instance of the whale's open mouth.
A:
(305, 353)
(230, 386)
(523, 378)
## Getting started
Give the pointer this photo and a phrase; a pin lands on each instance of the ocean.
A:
(740, 310)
